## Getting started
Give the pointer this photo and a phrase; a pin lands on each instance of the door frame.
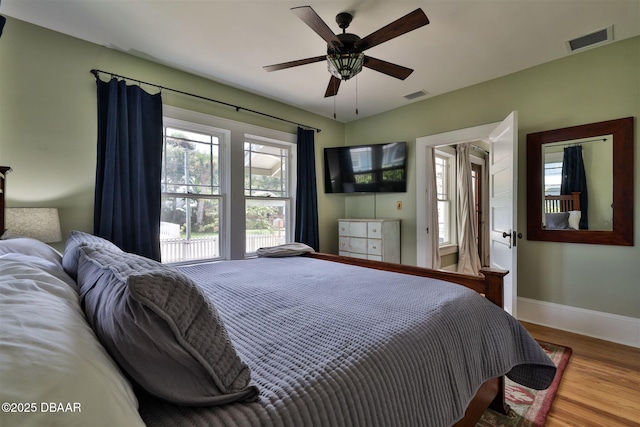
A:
(472, 134)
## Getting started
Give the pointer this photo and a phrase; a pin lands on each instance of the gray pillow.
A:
(557, 220)
(71, 254)
(160, 327)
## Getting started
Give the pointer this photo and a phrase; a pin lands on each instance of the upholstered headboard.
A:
(3, 188)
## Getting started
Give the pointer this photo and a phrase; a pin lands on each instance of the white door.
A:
(503, 185)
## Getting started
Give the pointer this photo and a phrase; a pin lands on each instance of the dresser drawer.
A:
(357, 244)
(343, 243)
(343, 228)
(356, 255)
(358, 229)
(374, 247)
(374, 230)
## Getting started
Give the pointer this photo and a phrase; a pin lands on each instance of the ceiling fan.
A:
(345, 57)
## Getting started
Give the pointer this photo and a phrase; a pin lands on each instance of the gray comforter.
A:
(337, 345)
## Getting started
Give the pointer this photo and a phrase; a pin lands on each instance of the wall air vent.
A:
(417, 94)
(594, 39)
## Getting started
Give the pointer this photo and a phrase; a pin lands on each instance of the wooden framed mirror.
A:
(605, 216)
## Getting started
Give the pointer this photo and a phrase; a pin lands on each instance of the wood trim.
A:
(481, 401)
(490, 284)
(562, 203)
(4, 170)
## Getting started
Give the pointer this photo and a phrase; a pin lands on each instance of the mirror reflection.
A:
(578, 184)
(596, 205)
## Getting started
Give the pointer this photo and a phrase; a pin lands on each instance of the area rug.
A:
(529, 408)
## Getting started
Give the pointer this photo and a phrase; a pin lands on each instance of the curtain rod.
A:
(96, 72)
(475, 147)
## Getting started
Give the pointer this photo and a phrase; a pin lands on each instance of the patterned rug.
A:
(529, 408)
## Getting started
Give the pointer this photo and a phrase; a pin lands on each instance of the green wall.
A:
(48, 136)
(48, 120)
(595, 85)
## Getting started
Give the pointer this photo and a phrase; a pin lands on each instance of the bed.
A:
(562, 212)
(98, 336)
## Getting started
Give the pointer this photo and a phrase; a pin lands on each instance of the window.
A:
(552, 173)
(362, 162)
(192, 195)
(227, 187)
(445, 186)
(267, 180)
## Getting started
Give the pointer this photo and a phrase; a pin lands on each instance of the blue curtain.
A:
(307, 195)
(575, 179)
(129, 166)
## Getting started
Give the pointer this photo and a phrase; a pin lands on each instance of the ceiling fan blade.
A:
(332, 88)
(409, 22)
(282, 66)
(311, 18)
(393, 70)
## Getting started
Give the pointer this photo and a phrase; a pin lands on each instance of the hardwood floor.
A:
(601, 385)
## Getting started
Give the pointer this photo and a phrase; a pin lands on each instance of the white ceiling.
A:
(229, 41)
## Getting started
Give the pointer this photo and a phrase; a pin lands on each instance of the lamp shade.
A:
(345, 65)
(38, 223)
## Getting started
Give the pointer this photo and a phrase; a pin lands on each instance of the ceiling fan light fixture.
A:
(345, 65)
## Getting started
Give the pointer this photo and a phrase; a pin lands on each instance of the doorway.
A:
(501, 193)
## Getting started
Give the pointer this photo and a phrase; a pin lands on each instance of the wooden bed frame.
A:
(490, 284)
(563, 203)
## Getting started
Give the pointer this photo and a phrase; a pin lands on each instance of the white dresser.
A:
(374, 239)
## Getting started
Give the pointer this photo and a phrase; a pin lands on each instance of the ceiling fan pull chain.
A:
(334, 105)
(356, 95)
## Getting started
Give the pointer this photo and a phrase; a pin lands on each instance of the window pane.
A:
(441, 177)
(443, 226)
(265, 170)
(361, 159)
(188, 135)
(189, 229)
(266, 223)
(444, 181)
(191, 162)
(552, 178)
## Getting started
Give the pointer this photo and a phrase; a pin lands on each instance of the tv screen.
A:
(374, 168)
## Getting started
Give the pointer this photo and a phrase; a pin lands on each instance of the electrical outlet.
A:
(399, 205)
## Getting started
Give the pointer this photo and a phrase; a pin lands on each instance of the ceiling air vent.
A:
(590, 40)
(417, 94)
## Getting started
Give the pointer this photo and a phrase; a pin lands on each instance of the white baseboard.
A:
(606, 326)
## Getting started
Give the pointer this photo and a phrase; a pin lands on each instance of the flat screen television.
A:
(373, 168)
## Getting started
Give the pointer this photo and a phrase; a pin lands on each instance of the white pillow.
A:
(29, 246)
(574, 219)
(49, 355)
